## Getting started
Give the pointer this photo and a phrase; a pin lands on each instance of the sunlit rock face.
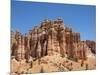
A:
(49, 37)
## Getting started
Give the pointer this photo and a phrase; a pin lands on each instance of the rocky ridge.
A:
(53, 44)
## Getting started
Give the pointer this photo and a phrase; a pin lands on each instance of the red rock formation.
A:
(49, 37)
(92, 45)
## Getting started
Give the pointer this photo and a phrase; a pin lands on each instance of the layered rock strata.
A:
(50, 37)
